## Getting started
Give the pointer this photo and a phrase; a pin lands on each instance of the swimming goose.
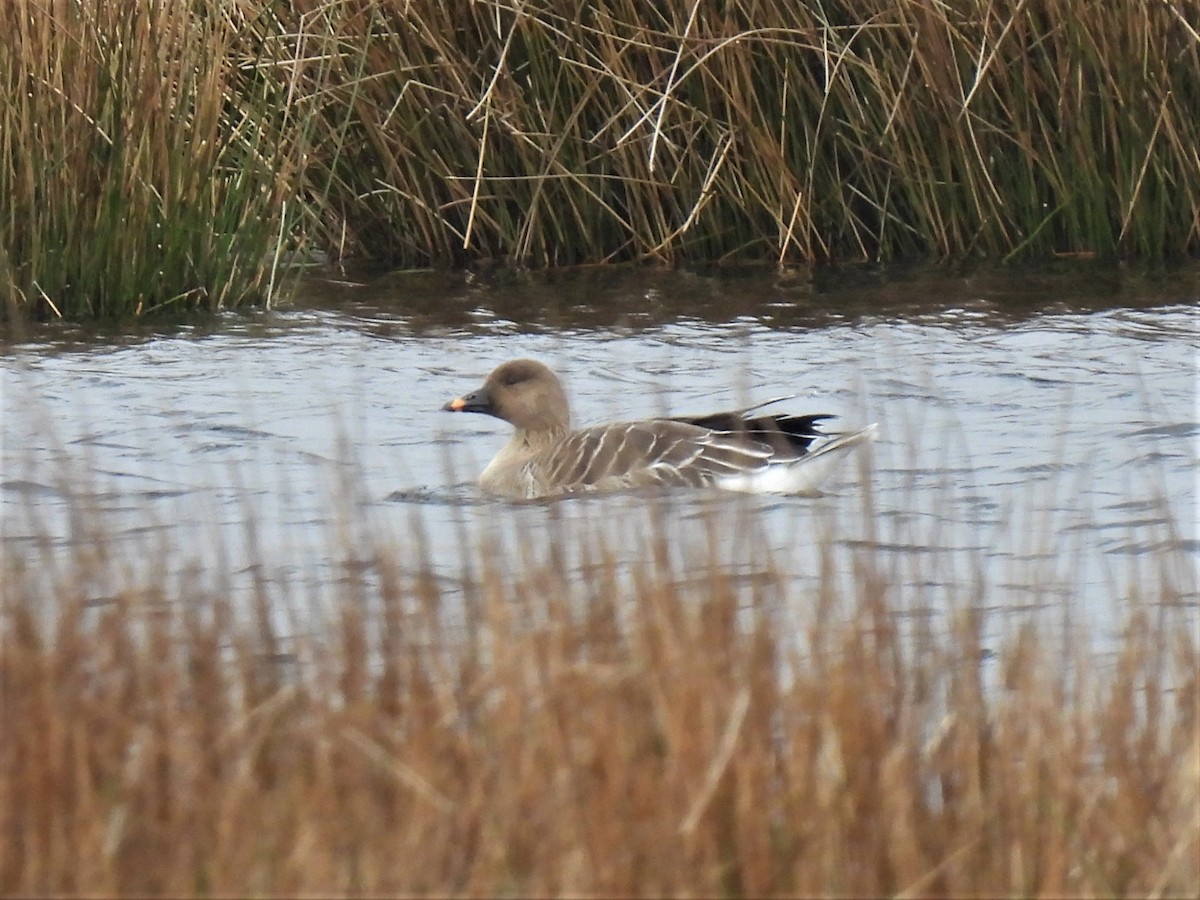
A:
(767, 453)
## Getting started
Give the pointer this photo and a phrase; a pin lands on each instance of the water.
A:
(1042, 427)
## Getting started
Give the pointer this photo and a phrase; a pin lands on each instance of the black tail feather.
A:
(784, 432)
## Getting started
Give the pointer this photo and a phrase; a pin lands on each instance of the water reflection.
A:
(1045, 424)
(647, 298)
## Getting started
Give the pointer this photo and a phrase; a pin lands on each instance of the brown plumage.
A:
(733, 450)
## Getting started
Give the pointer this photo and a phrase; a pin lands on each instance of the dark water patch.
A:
(102, 442)
(906, 548)
(636, 299)
(459, 495)
(234, 431)
(30, 489)
(1148, 504)
(1155, 522)
(1176, 429)
(1140, 548)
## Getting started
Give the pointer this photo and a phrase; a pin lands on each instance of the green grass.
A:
(160, 156)
(143, 164)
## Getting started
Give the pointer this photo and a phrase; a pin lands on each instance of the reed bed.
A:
(145, 166)
(164, 155)
(780, 132)
(663, 728)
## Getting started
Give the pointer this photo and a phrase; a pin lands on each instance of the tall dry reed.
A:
(618, 731)
(161, 155)
(145, 162)
(550, 133)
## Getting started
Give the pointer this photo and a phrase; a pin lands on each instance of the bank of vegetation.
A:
(182, 155)
(568, 720)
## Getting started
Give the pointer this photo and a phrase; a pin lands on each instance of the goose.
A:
(740, 450)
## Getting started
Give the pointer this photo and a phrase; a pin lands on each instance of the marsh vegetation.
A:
(562, 719)
(168, 156)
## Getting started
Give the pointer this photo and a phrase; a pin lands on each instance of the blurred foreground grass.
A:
(653, 728)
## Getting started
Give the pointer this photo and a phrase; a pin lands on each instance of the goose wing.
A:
(787, 435)
(653, 452)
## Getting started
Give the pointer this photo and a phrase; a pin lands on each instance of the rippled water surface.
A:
(1044, 428)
